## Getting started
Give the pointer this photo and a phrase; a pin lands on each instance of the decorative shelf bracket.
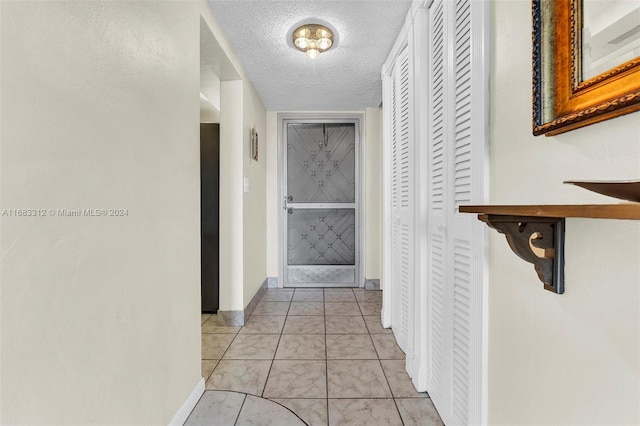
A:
(537, 240)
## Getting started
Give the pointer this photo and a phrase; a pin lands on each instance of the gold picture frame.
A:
(561, 102)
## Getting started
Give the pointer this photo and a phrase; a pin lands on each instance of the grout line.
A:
(276, 351)
(326, 353)
(240, 411)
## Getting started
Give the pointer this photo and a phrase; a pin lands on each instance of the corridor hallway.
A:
(321, 353)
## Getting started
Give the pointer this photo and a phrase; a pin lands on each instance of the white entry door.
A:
(320, 203)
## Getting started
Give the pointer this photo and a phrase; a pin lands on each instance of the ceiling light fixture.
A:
(312, 39)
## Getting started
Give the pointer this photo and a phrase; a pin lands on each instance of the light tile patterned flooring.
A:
(321, 353)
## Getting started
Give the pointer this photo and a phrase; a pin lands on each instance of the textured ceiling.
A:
(347, 77)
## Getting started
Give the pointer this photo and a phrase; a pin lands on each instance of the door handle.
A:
(285, 200)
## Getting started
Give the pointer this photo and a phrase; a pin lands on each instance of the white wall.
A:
(574, 358)
(100, 109)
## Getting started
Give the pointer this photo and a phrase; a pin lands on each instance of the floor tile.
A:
(350, 346)
(304, 325)
(207, 367)
(204, 317)
(280, 354)
(368, 295)
(309, 296)
(363, 412)
(356, 379)
(374, 324)
(224, 407)
(345, 324)
(370, 308)
(240, 376)
(297, 379)
(301, 346)
(306, 308)
(266, 324)
(263, 412)
(418, 412)
(271, 308)
(338, 295)
(341, 308)
(387, 347)
(214, 345)
(311, 411)
(211, 326)
(277, 296)
(253, 346)
(399, 380)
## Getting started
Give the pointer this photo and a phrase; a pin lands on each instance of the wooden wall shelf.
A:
(536, 232)
(591, 211)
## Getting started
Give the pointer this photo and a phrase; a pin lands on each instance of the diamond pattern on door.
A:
(321, 162)
(321, 237)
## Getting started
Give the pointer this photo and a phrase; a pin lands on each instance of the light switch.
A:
(246, 185)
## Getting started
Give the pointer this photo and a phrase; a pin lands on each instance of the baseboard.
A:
(372, 284)
(188, 405)
(231, 318)
(272, 282)
(255, 299)
(239, 318)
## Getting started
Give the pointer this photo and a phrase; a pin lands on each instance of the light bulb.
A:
(302, 42)
(324, 43)
(321, 33)
(303, 33)
(312, 53)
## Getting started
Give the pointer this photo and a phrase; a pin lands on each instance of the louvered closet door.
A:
(456, 146)
(402, 227)
(439, 320)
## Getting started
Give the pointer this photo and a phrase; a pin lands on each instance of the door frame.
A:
(323, 117)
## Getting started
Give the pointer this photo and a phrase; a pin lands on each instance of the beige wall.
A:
(255, 201)
(373, 193)
(372, 141)
(273, 197)
(231, 197)
(243, 215)
(100, 109)
(574, 358)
